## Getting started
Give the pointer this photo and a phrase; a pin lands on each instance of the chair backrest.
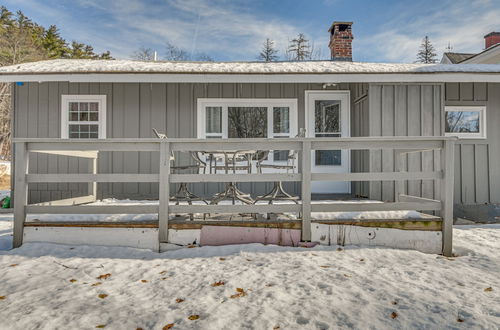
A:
(158, 134)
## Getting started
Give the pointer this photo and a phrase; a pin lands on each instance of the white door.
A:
(327, 115)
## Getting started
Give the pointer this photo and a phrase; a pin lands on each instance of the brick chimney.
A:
(341, 41)
(491, 39)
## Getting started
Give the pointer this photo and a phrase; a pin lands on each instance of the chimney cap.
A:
(491, 34)
(339, 23)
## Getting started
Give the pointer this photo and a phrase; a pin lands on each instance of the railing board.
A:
(93, 209)
(267, 177)
(92, 146)
(254, 208)
(84, 177)
(376, 176)
(364, 207)
(69, 201)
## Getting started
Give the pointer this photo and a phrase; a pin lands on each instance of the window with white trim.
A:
(465, 121)
(248, 118)
(83, 116)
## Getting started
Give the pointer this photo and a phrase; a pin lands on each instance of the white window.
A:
(465, 121)
(248, 118)
(83, 116)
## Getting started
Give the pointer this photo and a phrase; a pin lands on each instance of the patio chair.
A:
(183, 194)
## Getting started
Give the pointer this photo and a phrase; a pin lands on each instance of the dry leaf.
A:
(103, 276)
(460, 320)
(139, 329)
(218, 283)
(13, 265)
(164, 278)
(191, 246)
(394, 302)
(100, 326)
(339, 249)
(361, 259)
(240, 290)
(313, 254)
(96, 284)
(269, 285)
(488, 289)
(222, 259)
(179, 300)
(162, 272)
(193, 317)
(3, 297)
(241, 293)
(102, 295)
(347, 275)
(394, 315)
(276, 327)
(249, 259)
(168, 326)
(144, 281)
(324, 266)
(72, 280)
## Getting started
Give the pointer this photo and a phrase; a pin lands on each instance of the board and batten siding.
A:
(404, 110)
(133, 109)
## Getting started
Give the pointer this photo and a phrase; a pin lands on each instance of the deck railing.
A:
(442, 175)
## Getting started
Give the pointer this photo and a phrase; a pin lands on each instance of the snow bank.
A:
(55, 286)
(129, 66)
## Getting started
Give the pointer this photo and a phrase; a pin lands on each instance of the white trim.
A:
(101, 99)
(482, 121)
(440, 77)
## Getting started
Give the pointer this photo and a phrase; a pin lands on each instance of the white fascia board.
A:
(258, 78)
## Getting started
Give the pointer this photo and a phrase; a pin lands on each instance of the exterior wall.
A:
(360, 127)
(132, 110)
(404, 110)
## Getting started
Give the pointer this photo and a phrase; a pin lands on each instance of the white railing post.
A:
(20, 192)
(92, 190)
(306, 191)
(164, 191)
(400, 184)
(446, 191)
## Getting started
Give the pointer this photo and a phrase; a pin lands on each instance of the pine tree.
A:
(268, 52)
(427, 52)
(299, 49)
(55, 46)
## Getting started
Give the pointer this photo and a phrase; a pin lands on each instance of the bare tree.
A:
(299, 49)
(268, 53)
(143, 54)
(202, 57)
(174, 53)
(427, 52)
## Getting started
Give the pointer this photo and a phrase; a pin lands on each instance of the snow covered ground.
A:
(47, 286)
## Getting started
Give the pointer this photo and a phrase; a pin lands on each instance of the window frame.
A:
(65, 122)
(464, 108)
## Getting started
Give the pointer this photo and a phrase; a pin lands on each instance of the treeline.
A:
(22, 40)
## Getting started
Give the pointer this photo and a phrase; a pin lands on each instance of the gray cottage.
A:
(362, 137)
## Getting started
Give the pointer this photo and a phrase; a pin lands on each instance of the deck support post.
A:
(306, 191)
(446, 190)
(164, 191)
(400, 184)
(92, 190)
(20, 192)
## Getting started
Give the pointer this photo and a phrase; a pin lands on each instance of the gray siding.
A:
(132, 110)
(404, 110)
(360, 127)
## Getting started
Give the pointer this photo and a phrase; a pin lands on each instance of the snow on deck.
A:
(303, 67)
(292, 216)
(47, 286)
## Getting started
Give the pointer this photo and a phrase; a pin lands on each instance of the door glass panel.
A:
(281, 120)
(214, 120)
(247, 122)
(327, 124)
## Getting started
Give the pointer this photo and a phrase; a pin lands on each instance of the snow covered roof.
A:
(305, 67)
(251, 72)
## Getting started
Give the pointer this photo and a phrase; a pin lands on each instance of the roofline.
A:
(485, 52)
(420, 77)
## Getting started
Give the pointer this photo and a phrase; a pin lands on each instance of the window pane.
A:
(84, 116)
(327, 116)
(281, 120)
(84, 106)
(214, 120)
(247, 122)
(328, 157)
(94, 106)
(94, 116)
(83, 131)
(462, 122)
(73, 106)
(73, 116)
(280, 155)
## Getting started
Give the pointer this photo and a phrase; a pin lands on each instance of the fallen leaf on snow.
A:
(13, 265)
(460, 320)
(3, 297)
(162, 272)
(218, 283)
(100, 326)
(144, 281)
(179, 300)
(488, 289)
(191, 246)
(168, 326)
(103, 276)
(241, 293)
(72, 280)
(347, 275)
(394, 302)
(96, 284)
(276, 327)
(164, 278)
(339, 249)
(361, 259)
(102, 295)
(222, 259)
(193, 317)
(139, 329)
(249, 259)
(324, 266)
(394, 315)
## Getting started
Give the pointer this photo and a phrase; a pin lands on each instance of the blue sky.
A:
(231, 30)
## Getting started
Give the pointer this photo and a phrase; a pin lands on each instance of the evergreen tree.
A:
(427, 52)
(55, 46)
(268, 52)
(299, 49)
